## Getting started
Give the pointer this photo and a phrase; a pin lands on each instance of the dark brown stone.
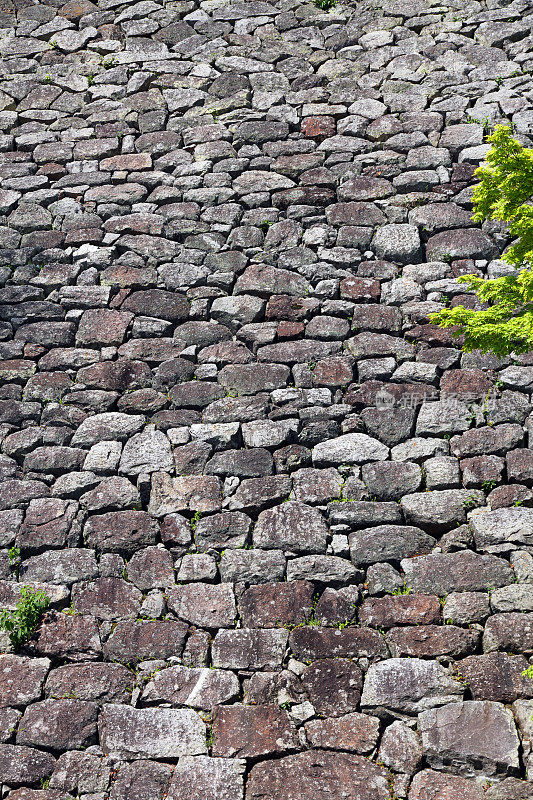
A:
(22, 679)
(97, 682)
(386, 612)
(356, 733)
(430, 641)
(271, 605)
(121, 532)
(137, 641)
(333, 686)
(310, 643)
(252, 731)
(24, 765)
(61, 724)
(431, 785)
(65, 636)
(319, 775)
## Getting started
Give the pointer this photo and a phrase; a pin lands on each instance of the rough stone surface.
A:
(474, 736)
(151, 732)
(317, 776)
(411, 685)
(279, 515)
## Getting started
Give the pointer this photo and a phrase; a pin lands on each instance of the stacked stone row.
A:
(284, 523)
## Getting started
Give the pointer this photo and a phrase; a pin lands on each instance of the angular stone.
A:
(503, 529)
(409, 685)
(146, 780)
(522, 712)
(256, 493)
(226, 530)
(197, 394)
(107, 599)
(443, 417)
(355, 733)
(512, 598)
(388, 543)
(362, 513)
(253, 462)
(62, 724)
(390, 426)
(9, 719)
(151, 732)
(399, 243)
(520, 466)
(463, 608)
(97, 682)
(333, 686)
(482, 441)
(481, 471)
(474, 737)
(265, 281)
(249, 649)
(54, 460)
(121, 532)
(325, 569)
(496, 676)
(431, 785)
(146, 452)
(438, 511)
(157, 303)
(61, 566)
(252, 378)
(337, 605)
(203, 604)
(352, 448)
(48, 523)
(512, 632)
(316, 486)
(108, 426)
(22, 679)
(461, 243)
(138, 640)
(24, 765)
(151, 568)
(390, 480)
(276, 604)
(508, 789)
(319, 775)
(400, 749)
(386, 612)
(291, 526)
(65, 636)
(441, 573)
(193, 492)
(267, 433)
(309, 643)
(204, 778)
(252, 566)
(10, 591)
(431, 641)
(251, 731)
(198, 688)
(103, 327)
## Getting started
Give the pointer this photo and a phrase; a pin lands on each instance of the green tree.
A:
(505, 322)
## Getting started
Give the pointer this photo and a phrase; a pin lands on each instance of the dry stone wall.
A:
(285, 525)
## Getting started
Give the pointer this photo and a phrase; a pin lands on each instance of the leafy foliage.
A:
(504, 193)
(21, 623)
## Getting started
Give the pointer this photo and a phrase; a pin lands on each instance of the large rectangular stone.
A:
(151, 732)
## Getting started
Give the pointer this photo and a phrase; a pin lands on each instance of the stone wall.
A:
(285, 525)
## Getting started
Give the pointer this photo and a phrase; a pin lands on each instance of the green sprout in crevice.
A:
(22, 622)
